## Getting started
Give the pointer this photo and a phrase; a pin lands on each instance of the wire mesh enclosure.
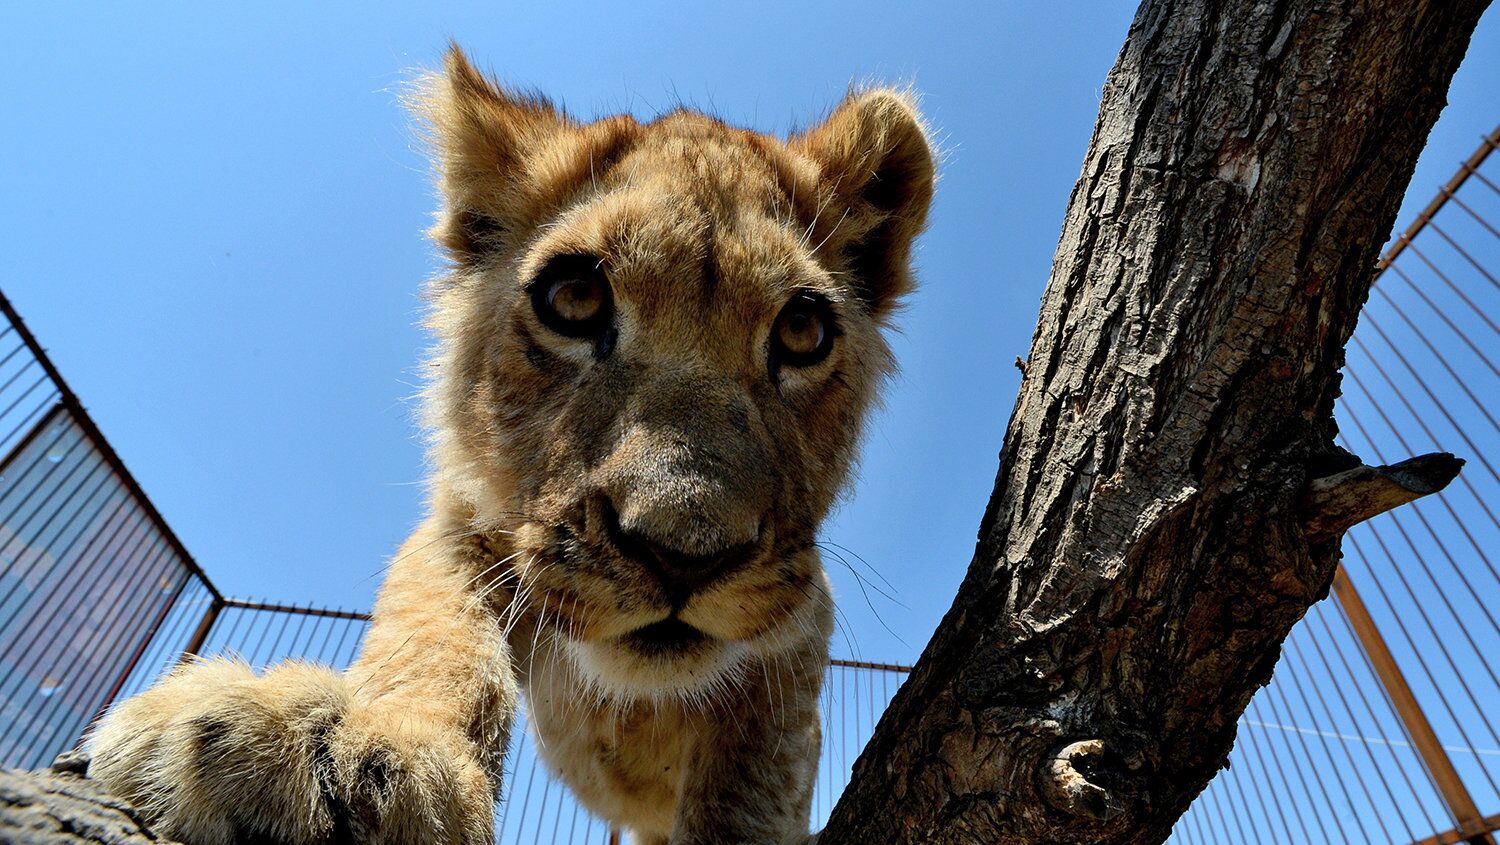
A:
(89, 571)
(1380, 724)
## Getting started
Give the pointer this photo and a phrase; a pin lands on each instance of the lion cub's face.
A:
(657, 344)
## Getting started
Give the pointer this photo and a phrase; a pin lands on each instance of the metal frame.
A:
(1473, 827)
(1486, 146)
(96, 437)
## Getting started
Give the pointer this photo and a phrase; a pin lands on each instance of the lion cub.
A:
(656, 346)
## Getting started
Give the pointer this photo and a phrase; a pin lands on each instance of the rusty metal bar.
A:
(1491, 824)
(135, 658)
(1486, 146)
(273, 607)
(96, 437)
(292, 609)
(1450, 786)
(860, 664)
(200, 634)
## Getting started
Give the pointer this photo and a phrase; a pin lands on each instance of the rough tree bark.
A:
(59, 806)
(1170, 500)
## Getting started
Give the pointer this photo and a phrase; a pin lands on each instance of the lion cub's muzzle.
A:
(679, 573)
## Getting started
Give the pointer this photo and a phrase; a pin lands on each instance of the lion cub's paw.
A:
(215, 755)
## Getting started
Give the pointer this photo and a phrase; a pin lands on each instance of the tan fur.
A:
(556, 461)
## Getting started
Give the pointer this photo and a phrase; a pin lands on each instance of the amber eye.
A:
(804, 331)
(571, 296)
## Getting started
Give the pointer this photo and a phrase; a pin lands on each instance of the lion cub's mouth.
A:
(666, 658)
(667, 638)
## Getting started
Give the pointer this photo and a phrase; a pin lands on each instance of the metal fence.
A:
(89, 571)
(1379, 725)
(98, 598)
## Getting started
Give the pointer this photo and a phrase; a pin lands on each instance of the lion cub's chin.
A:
(667, 659)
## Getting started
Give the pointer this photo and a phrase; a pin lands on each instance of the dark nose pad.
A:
(681, 574)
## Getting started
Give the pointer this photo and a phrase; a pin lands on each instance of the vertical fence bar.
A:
(135, 658)
(200, 634)
(81, 416)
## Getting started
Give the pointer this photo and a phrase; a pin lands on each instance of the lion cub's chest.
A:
(622, 762)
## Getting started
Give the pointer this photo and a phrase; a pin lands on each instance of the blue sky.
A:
(212, 218)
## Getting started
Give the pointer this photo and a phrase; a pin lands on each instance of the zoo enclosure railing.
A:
(1378, 726)
(99, 597)
(90, 572)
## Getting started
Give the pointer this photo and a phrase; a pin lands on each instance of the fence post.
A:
(205, 625)
(1471, 825)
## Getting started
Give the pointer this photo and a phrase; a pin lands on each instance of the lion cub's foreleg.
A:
(406, 747)
(749, 774)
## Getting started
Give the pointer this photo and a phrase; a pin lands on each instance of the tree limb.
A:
(1156, 528)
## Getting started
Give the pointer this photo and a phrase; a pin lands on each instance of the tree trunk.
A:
(1170, 500)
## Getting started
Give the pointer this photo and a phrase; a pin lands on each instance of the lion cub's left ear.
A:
(876, 171)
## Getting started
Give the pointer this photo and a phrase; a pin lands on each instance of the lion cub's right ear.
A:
(877, 169)
(504, 160)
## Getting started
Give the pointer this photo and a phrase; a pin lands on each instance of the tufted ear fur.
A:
(503, 159)
(876, 172)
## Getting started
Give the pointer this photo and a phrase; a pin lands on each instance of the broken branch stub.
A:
(1335, 503)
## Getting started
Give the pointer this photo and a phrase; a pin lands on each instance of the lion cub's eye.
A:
(571, 296)
(803, 332)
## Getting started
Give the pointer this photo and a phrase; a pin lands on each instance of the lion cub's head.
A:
(657, 344)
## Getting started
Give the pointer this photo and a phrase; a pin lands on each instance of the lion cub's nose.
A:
(681, 574)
